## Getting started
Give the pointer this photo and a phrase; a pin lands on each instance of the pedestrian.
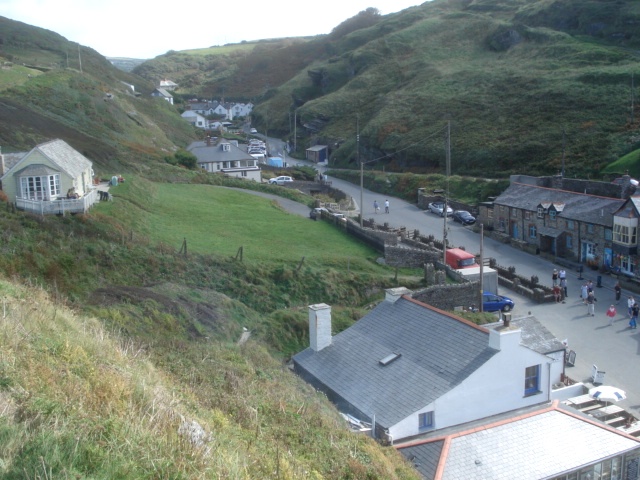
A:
(618, 290)
(591, 304)
(557, 295)
(611, 312)
(584, 292)
(590, 286)
(386, 206)
(554, 277)
(376, 207)
(634, 316)
(563, 286)
(562, 274)
(630, 303)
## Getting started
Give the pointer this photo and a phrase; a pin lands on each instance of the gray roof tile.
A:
(577, 206)
(438, 352)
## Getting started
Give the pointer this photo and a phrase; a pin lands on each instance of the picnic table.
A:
(605, 412)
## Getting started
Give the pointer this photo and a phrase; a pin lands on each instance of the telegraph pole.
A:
(446, 193)
(361, 170)
(481, 267)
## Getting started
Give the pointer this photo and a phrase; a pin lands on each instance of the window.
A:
(540, 212)
(244, 173)
(514, 212)
(533, 231)
(532, 380)
(570, 225)
(552, 214)
(502, 225)
(40, 188)
(608, 234)
(625, 234)
(569, 242)
(425, 420)
(527, 215)
(590, 228)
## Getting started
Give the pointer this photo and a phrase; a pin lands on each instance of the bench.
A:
(612, 421)
(589, 408)
(633, 430)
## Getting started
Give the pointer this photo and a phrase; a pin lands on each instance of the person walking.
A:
(563, 286)
(554, 277)
(376, 207)
(584, 292)
(630, 303)
(562, 274)
(386, 206)
(611, 312)
(633, 323)
(557, 293)
(618, 289)
(591, 304)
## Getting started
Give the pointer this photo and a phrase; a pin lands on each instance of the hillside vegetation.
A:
(525, 84)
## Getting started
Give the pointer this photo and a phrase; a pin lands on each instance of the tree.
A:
(365, 18)
(186, 159)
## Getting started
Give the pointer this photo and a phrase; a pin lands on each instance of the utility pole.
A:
(79, 58)
(361, 170)
(446, 193)
(481, 267)
(563, 149)
(295, 128)
(632, 98)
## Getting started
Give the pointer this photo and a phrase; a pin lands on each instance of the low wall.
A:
(448, 297)
(405, 256)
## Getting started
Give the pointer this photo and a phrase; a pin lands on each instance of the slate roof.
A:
(11, 159)
(577, 206)
(534, 335)
(66, 157)
(542, 443)
(438, 351)
(60, 153)
(214, 153)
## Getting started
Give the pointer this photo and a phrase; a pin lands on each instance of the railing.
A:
(58, 206)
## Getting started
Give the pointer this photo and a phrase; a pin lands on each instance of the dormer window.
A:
(540, 212)
(552, 214)
(226, 147)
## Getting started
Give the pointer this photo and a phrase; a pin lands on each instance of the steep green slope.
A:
(510, 76)
(72, 92)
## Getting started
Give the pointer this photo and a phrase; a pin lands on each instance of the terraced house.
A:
(567, 219)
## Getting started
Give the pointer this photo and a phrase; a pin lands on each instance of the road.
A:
(613, 349)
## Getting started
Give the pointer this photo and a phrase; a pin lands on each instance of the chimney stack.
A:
(393, 294)
(319, 326)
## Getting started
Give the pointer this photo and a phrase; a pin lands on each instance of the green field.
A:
(217, 220)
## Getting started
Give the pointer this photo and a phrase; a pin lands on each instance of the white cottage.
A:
(51, 178)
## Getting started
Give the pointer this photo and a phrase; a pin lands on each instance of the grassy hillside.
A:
(79, 400)
(53, 88)
(510, 76)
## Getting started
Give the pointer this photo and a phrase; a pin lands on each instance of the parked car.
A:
(253, 130)
(438, 207)
(463, 217)
(281, 180)
(496, 303)
(316, 213)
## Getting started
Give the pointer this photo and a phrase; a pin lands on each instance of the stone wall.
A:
(449, 297)
(406, 256)
(375, 238)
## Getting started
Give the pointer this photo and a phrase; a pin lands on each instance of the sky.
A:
(146, 29)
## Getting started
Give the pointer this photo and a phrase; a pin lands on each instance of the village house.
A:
(625, 237)
(195, 119)
(167, 85)
(412, 369)
(162, 93)
(558, 217)
(219, 155)
(52, 178)
(552, 441)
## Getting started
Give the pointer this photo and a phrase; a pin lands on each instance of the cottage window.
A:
(502, 225)
(608, 234)
(40, 188)
(425, 420)
(533, 231)
(570, 225)
(540, 212)
(569, 242)
(514, 212)
(552, 214)
(532, 380)
(244, 173)
(625, 234)
(527, 215)
(590, 228)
